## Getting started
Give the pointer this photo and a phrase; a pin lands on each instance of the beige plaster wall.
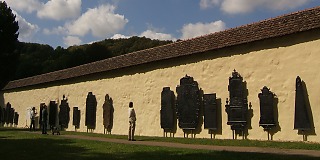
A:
(274, 63)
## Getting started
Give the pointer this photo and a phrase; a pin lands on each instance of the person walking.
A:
(132, 122)
(33, 114)
(44, 119)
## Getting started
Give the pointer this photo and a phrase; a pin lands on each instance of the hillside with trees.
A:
(37, 59)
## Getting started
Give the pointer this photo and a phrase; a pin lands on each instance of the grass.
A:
(217, 142)
(16, 145)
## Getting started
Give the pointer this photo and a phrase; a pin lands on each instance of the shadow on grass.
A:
(49, 149)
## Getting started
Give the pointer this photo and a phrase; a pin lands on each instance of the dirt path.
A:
(311, 153)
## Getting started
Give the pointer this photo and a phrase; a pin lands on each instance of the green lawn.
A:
(16, 145)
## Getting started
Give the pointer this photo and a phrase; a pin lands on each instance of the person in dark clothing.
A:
(44, 119)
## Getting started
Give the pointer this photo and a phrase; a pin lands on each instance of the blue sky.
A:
(74, 22)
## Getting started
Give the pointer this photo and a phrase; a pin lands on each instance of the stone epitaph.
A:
(1, 115)
(16, 118)
(76, 117)
(267, 119)
(167, 109)
(210, 111)
(301, 117)
(108, 113)
(7, 113)
(64, 114)
(237, 107)
(91, 108)
(40, 113)
(188, 103)
(53, 110)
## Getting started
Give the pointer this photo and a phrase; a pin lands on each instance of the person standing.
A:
(44, 119)
(132, 122)
(33, 114)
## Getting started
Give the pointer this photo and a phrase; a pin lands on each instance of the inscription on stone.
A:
(267, 119)
(188, 103)
(91, 108)
(210, 111)
(167, 109)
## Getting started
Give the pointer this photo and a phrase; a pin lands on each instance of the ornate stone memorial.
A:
(91, 109)
(301, 117)
(167, 111)
(237, 107)
(108, 114)
(267, 119)
(76, 117)
(40, 113)
(7, 113)
(188, 103)
(53, 110)
(64, 114)
(1, 115)
(11, 117)
(210, 111)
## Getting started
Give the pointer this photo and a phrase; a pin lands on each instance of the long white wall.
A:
(273, 63)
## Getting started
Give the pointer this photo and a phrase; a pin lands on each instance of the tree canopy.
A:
(37, 59)
(8, 39)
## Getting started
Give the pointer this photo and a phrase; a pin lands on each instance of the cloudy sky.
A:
(74, 22)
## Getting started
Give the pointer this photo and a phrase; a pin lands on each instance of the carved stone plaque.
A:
(238, 107)
(76, 117)
(11, 117)
(1, 115)
(16, 118)
(7, 113)
(40, 113)
(91, 108)
(167, 109)
(64, 114)
(210, 111)
(267, 119)
(53, 110)
(188, 103)
(108, 113)
(301, 117)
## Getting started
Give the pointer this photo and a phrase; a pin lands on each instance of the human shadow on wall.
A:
(306, 133)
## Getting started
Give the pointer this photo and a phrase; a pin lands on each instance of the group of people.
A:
(44, 120)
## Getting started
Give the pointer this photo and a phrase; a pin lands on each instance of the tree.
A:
(8, 40)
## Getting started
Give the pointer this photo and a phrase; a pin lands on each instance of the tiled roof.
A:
(279, 26)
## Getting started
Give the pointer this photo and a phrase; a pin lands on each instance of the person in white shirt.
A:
(33, 114)
(132, 122)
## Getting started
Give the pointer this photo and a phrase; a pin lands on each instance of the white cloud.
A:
(120, 36)
(156, 35)
(245, 6)
(100, 22)
(193, 30)
(204, 4)
(71, 40)
(26, 29)
(58, 31)
(24, 5)
(60, 9)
